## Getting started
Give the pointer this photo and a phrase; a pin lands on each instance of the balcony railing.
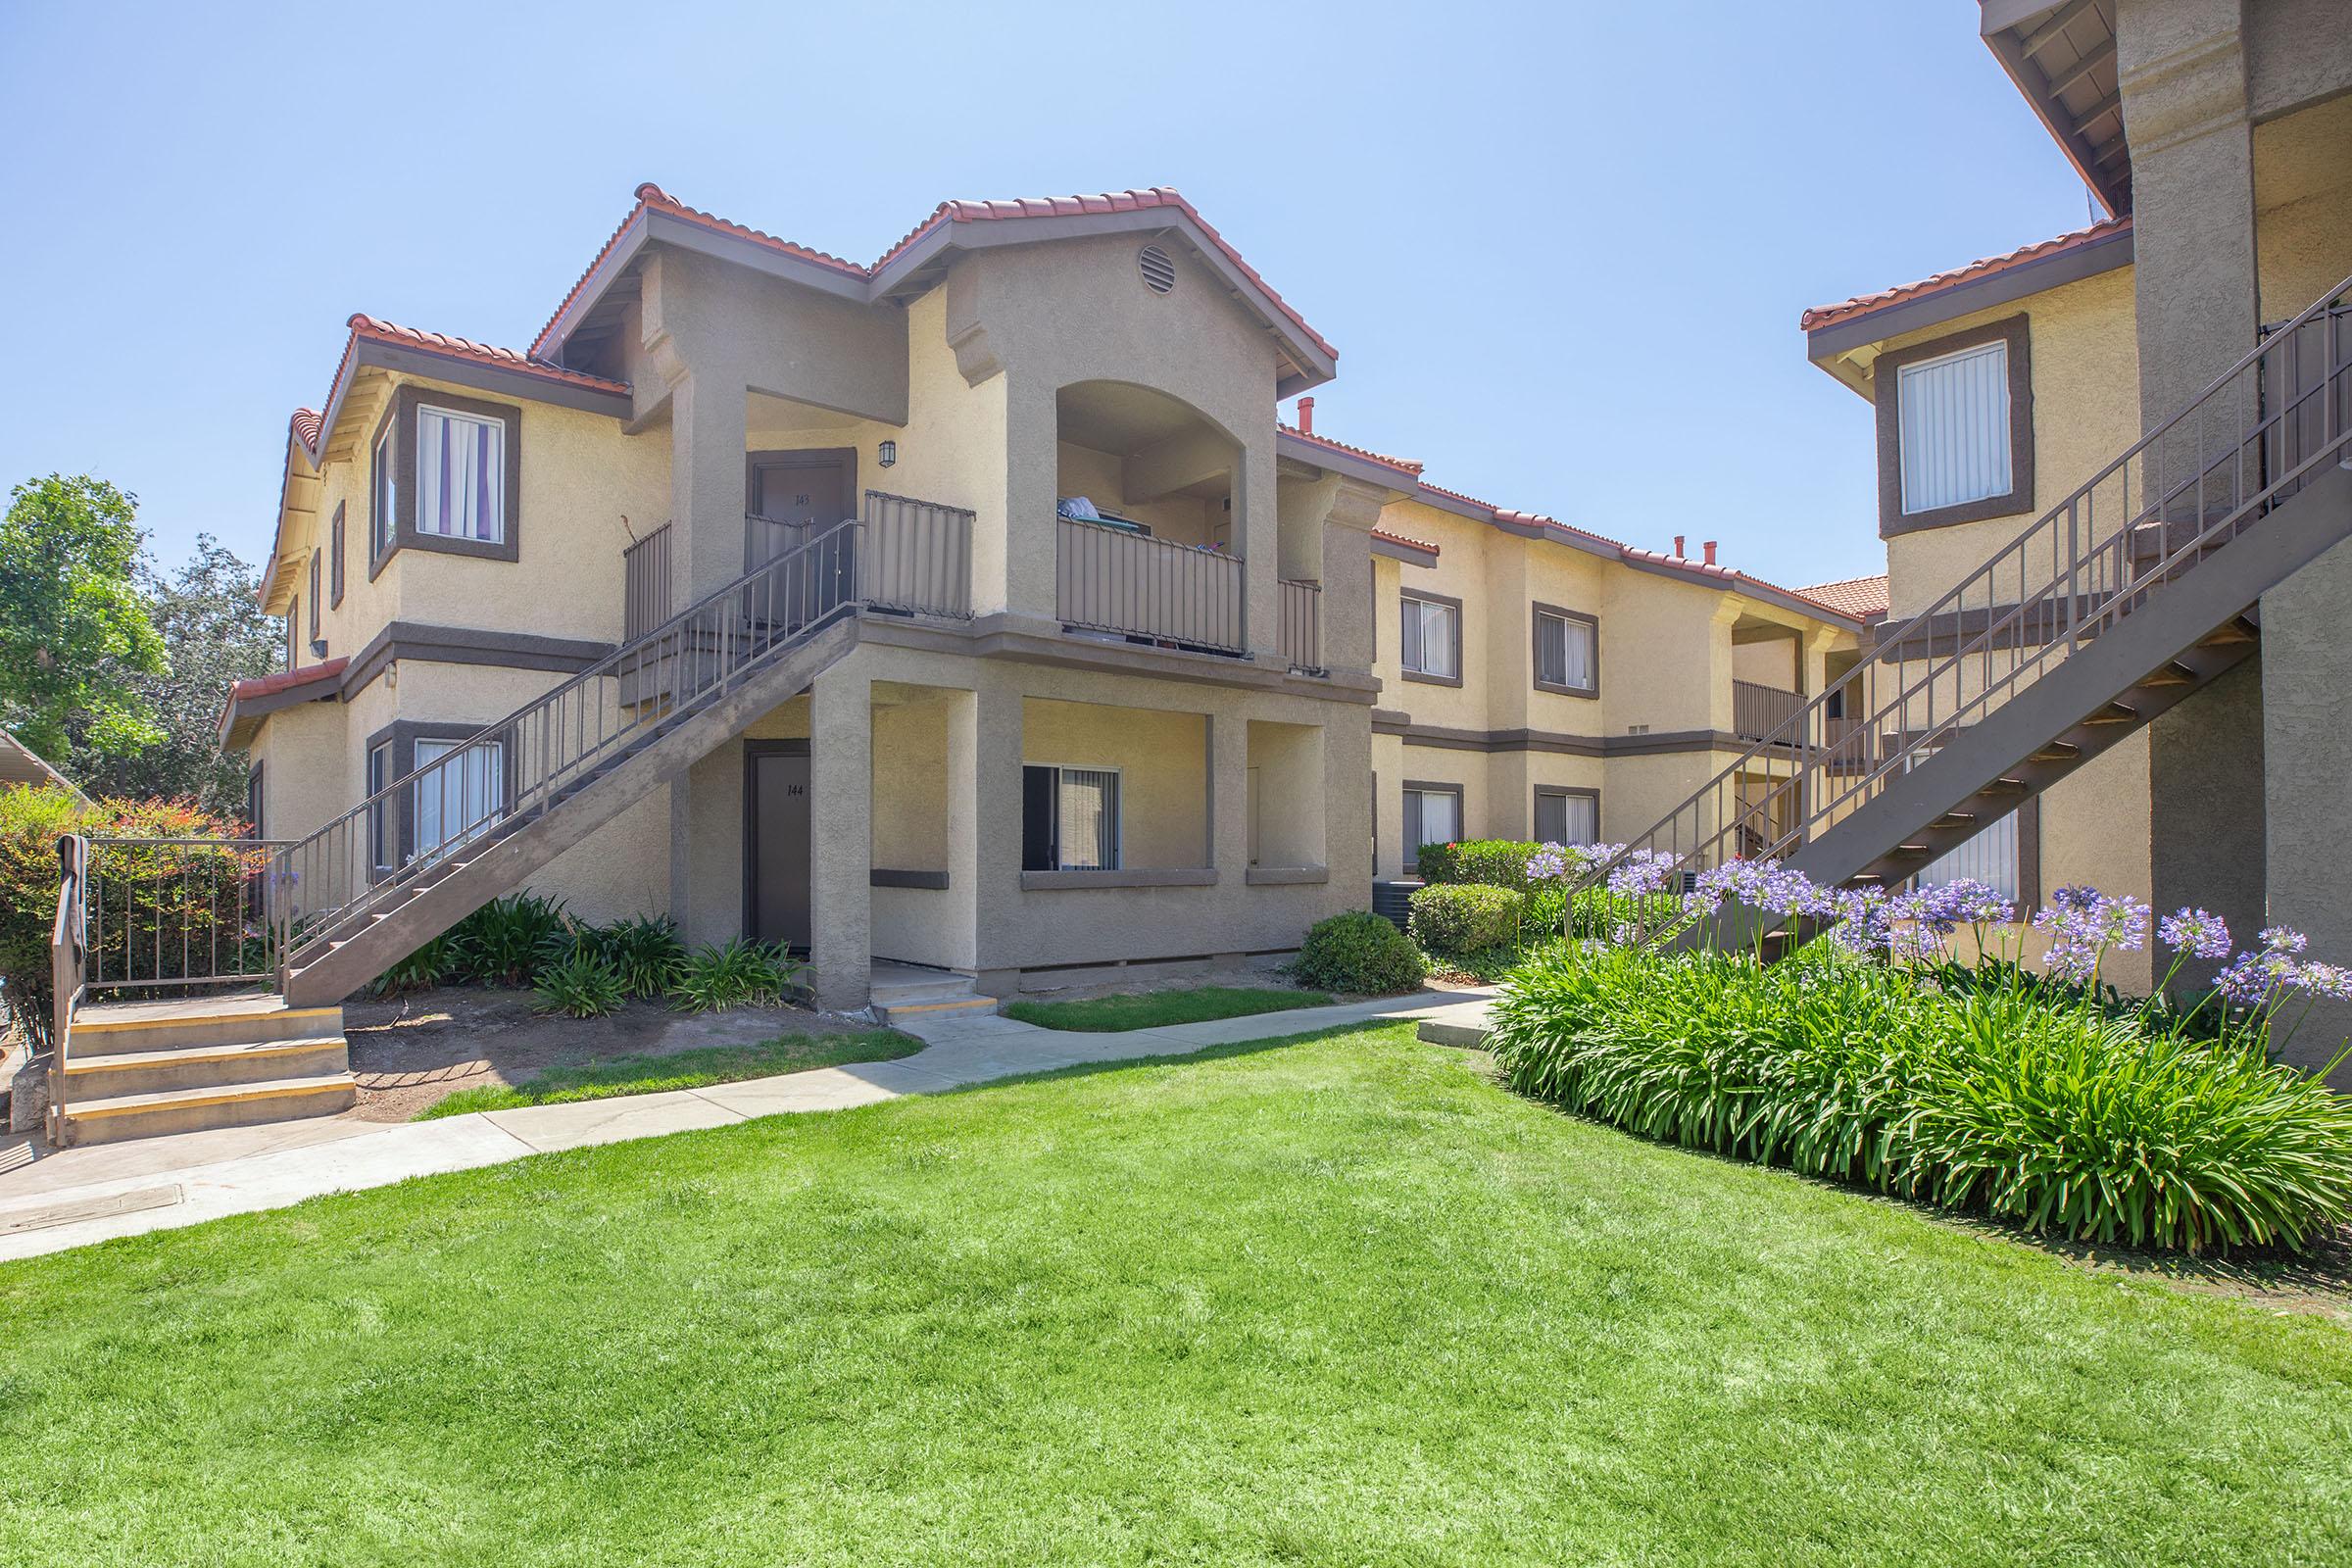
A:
(1115, 581)
(1302, 624)
(646, 584)
(1761, 710)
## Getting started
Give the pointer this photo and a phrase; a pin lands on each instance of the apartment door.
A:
(795, 496)
(775, 850)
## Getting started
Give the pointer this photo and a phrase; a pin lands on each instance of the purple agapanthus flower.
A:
(1865, 926)
(2195, 932)
(2251, 977)
(1643, 872)
(1965, 901)
(2082, 923)
(1549, 864)
(2282, 939)
(2331, 980)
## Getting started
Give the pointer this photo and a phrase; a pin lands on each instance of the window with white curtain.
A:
(1567, 816)
(1954, 414)
(1070, 818)
(1431, 816)
(1990, 858)
(461, 475)
(387, 491)
(456, 796)
(1567, 652)
(1431, 642)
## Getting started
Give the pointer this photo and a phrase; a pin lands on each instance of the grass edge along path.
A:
(1158, 1010)
(696, 1068)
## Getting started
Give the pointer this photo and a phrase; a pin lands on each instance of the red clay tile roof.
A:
(1399, 539)
(1861, 597)
(653, 198)
(285, 680)
(1862, 303)
(1407, 465)
(305, 427)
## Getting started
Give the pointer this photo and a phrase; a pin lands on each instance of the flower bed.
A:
(1873, 1056)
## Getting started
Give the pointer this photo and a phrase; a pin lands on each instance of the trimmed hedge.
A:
(1453, 920)
(1359, 952)
(1488, 863)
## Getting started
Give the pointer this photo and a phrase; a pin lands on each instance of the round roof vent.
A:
(1160, 271)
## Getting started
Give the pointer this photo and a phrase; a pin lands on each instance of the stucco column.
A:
(706, 433)
(1257, 534)
(1031, 548)
(2181, 69)
(841, 836)
(984, 827)
(1229, 795)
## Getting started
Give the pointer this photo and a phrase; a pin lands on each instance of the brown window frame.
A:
(1535, 649)
(1426, 786)
(1426, 596)
(2015, 331)
(400, 421)
(334, 535)
(1561, 792)
(398, 742)
(318, 642)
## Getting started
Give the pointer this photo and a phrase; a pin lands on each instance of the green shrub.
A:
(1490, 862)
(644, 949)
(1450, 920)
(2000, 1099)
(505, 941)
(739, 974)
(428, 967)
(1359, 952)
(31, 821)
(583, 984)
(1598, 914)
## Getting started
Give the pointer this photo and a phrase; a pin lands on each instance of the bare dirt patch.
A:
(409, 1053)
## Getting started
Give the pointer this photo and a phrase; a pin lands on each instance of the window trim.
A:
(1118, 819)
(335, 570)
(257, 799)
(318, 639)
(294, 634)
(1424, 596)
(1562, 792)
(400, 423)
(1886, 381)
(1425, 786)
(1535, 649)
(400, 737)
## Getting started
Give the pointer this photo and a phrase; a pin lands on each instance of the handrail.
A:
(183, 900)
(2057, 585)
(526, 762)
(66, 958)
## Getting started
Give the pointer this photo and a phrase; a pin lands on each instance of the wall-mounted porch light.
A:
(890, 453)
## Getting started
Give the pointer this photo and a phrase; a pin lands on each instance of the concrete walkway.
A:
(50, 1201)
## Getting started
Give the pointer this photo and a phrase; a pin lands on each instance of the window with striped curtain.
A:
(461, 475)
(1090, 819)
(1566, 651)
(1954, 414)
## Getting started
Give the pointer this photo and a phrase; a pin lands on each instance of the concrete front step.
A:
(952, 1006)
(184, 1110)
(109, 1028)
(205, 1067)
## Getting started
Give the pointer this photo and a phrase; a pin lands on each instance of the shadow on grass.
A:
(1171, 1059)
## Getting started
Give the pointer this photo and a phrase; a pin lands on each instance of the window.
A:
(1955, 428)
(1433, 815)
(385, 506)
(380, 826)
(456, 794)
(1070, 818)
(335, 554)
(1567, 652)
(1990, 858)
(461, 475)
(254, 796)
(1567, 815)
(293, 632)
(1430, 638)
(316, 648)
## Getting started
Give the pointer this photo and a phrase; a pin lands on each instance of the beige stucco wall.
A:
(306, 769)
(2302, 205)
(2085, 376)
(1162, 760)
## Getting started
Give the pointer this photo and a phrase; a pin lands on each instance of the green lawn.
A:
(680, 1069)
(1342, 1301)
(1152, 1009)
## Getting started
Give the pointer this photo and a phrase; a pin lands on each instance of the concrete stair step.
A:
(896, 1012)
(151, 1114)
(203, 1066)
(111, 1028)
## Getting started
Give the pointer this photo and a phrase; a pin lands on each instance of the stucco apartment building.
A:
(2112, 494)
(969, 609)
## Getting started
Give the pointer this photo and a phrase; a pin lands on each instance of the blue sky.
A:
(1561, 248)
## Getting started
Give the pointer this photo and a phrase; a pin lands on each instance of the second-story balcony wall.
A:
(1758, 710)
(1115, 580)
(1302, 624)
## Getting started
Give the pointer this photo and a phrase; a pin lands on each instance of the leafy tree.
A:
(215, 632)
(74, 629)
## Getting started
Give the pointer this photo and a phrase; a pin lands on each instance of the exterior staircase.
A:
(903, 994)
(143, 1068)
(317, 919)
(2127, 598)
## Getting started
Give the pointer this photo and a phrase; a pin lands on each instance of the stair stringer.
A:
(505, 859)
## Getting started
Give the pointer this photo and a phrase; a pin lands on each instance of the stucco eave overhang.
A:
(1825, 345)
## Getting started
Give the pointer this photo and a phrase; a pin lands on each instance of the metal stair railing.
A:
(516, 770)
(2235, 452)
